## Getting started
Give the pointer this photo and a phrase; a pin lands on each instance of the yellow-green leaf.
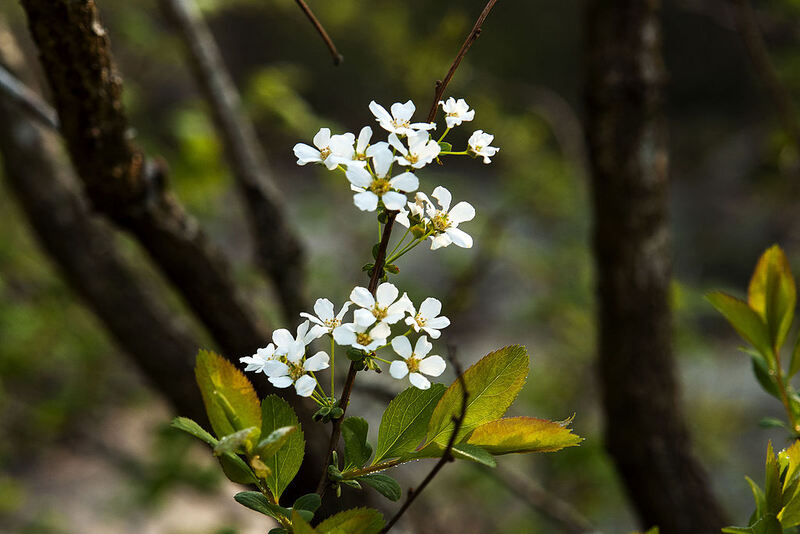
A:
(772, 293)
(274, 441)
(221, 382)
(405, 421)
(354, 521)
(285, 463)
(492, 385)
(300, 525)
(523, 434)
(746, 321)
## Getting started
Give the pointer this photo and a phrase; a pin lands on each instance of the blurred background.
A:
(85, 442)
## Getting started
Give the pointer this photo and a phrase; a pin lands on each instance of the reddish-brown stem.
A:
(441, 85)
(337, 57)
(336, 429)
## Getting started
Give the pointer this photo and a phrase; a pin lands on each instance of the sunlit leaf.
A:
(300, 525)
(233, 443)
(274, 441)
(383, 484)
(772, 484)
(523, 434)
(285, 463)
(492, 385)
(405, 421)
(772, 293)
(192, 428)
(354, 521)
(221, 382)
(356, 449)
(744, 320)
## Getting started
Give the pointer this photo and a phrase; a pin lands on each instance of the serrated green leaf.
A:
(744, 320)
(383, 484)
(300, 524)
(354, 521)
(772, 293)
(191, 427)
(310, 502)
(220, 379)
(255, 501)
(357, 450)
(405, 421)
(274, 441)
(234, 443)
(492, 385)
(523, 434)
(285, 463)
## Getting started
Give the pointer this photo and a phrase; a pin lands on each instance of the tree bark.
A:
(645, 431)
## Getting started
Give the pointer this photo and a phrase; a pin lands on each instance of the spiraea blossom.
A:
(399, 121)
(257, 361)
(421, 150)
(370, 189)
(478, 144)
(384, 307)
(362, 336)
(415, 363)
(456, 111)
(427, 319)
(294, 369)
(331, 150)
(325, 317)
(445, 220)
(305, 334)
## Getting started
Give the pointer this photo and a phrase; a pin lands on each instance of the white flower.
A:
(294, 371)
(356, 335)
(445, 221)
(421, 149)
(415, 364)
(330, 151)
(399, 122)
(369, 190)
(325, 317)
(456, 112)
(362, 143)
(382, 307)
(428, 318)
(416, 209)
(478, 144)
(257, 361)
(285, 342)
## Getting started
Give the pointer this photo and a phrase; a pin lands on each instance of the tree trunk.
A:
(645, 431)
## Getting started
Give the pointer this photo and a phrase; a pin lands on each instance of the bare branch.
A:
(27, 99)
(447, 455)
(473, 35)
(337, 57)
(278, 249)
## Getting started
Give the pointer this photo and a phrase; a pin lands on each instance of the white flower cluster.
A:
(285, 363)
(368, 167)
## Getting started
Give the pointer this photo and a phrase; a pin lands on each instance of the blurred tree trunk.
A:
(645, 431)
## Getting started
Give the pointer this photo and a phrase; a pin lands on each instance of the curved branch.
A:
(337, 57)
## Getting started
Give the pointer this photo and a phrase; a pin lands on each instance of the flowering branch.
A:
(441, 85)
(447, 455)
(337, 57)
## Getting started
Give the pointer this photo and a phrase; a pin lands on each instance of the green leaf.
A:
(772, 293)
(274, 441)
(492, 384)
(279, 530)
(300, 524)
(744, 320)
(310, 502)
(225, 388)
(771, 422)
(405, 421)
(356, 449)
(758, 496)
(794, 363)
(773, 490)
(383, 484)
(354, 521)
(285, 463)
(235, 469)
(473, 453)
(445, 146)
(764, 378)
(255, 501)
(235, 442)
(190, 427)
(523, 434)
(766, 525)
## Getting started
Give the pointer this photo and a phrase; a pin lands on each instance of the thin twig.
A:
(447, 455)
(337, 57)
(441, 85)
(27, 99)
(336, 429)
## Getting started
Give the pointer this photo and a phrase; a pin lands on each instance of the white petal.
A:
(360, 296)
(344, 309)
(359, 176)
(386, 294)
(419, 381)
(432, 365)
(395, 142)
(366, 201)
(319, 361)
(402, 346)
(305, 386)
(296, 351)
(306, 154)
(431, 332)
(443, 196)
(381, 158)
(311, 318)
(323, 138)
(459, 237)
(274, 369)
(403, 111)
(324, 309)
(438, 322)
(282, 338)
(398, 369)
(405, 182)
(380, 113)
(344, 336)
(430, 308)
(440, 241)
(316, 332)
(381, 331)
(461, 212)
(280, 381)
(302, 330)
(402, 306)
(363, 139)
(363, 317)
(394, 200)
(402, 218)
(422, 347)
(342, 145)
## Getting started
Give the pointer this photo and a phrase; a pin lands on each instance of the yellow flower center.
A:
(413, 365)
(363, 339)
(380, 186)
(296, 371)
(420, 320)
(379, 313)
(333, 323)
(440, 222)
(324, 153)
